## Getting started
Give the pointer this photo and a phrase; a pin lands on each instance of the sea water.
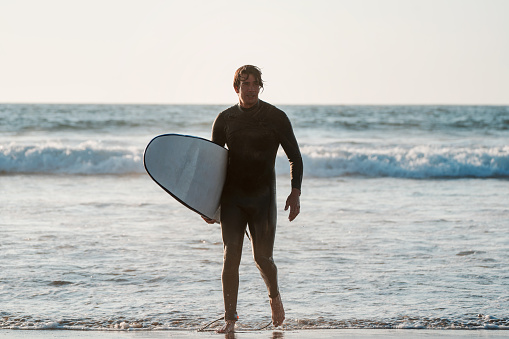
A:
(404, 221)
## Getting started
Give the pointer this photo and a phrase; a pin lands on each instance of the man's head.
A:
(243, 73)
(247, 83)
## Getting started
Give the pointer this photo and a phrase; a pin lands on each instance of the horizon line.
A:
(230, 104)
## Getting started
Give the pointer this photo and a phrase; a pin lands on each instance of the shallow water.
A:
(384, 252)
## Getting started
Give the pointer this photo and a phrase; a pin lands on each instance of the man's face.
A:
(248, 91)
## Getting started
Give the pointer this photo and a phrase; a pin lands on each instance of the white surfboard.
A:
(191, 169)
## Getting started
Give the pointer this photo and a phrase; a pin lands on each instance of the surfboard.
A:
(191, 169)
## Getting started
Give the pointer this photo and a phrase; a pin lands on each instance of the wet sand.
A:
(307, 334)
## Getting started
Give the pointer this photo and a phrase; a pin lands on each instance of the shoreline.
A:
(309, 334)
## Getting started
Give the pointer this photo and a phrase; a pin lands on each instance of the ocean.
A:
(404, 221)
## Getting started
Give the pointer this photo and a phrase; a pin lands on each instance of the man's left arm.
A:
(291, 148)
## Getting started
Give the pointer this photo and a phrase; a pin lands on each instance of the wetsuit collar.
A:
(250, 109)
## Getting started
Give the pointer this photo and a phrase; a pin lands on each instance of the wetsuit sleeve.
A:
(291, 148)
(219, 131)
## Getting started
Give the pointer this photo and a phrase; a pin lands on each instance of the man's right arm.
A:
(218, 131)
(219, 138)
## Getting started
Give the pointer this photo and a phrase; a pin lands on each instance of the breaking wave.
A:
(56, 158)
(418, 162)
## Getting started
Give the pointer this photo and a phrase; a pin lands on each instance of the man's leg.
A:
(262, 227)
(233, 225)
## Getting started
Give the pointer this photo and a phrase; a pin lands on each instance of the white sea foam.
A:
(96, 158)
(406, 162)
(57, 158)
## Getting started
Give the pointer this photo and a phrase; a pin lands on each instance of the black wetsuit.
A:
(253, 137)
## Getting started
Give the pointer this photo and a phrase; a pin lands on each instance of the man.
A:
(253, 131)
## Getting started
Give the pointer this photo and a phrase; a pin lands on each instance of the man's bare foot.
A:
(228, 327)
(278, 312)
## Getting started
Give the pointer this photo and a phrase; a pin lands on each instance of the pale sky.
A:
(310, 51)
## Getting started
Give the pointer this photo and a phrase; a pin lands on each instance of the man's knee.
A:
(231, 259)
(264, 263)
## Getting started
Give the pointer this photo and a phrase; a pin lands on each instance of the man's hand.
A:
(209, 221)
(293, 202)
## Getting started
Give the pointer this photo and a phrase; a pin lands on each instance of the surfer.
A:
(253, 131)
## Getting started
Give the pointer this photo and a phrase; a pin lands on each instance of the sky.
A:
(310, 51)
